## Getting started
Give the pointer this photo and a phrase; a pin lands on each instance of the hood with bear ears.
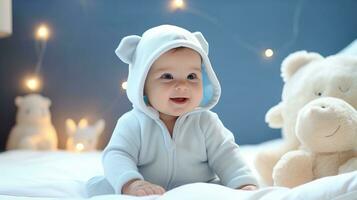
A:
(141, 52)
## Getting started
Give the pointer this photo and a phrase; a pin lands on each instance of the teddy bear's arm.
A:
(349, 166)
(274, 117)
(293, 169)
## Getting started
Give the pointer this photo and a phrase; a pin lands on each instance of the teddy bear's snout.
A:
(322, 110)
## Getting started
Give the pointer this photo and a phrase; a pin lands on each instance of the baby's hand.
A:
(248, 187)
(142, 188)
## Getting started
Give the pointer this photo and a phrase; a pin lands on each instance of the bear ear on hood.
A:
(202, 40)
(127, 47)
(295, 61)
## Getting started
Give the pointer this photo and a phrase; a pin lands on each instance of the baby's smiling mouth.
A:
(334, 131)
(179, 100)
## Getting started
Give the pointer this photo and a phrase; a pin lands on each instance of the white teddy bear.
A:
(327, 129)
(83, 137)
(33, 129)
(307, 76)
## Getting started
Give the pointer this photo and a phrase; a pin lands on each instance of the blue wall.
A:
(82, 75)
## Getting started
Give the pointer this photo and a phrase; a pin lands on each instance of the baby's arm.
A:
(120, 157)
(224, 156)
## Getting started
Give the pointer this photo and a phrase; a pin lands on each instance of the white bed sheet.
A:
(29, 175)
(47, 174)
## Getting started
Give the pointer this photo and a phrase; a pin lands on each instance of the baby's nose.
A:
(181, 86)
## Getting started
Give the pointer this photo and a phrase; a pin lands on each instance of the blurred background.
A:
(75, 65)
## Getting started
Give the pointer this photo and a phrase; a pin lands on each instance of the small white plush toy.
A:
(83, 137)
(33, 129)
(327, 130)
(307, 76)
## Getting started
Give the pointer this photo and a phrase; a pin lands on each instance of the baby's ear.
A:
(202, 40)
(127, 47)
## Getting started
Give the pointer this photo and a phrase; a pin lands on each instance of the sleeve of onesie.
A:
(223, 154)
(120, 157)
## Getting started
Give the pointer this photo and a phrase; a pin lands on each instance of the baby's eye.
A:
(192, 76)
(166, 76)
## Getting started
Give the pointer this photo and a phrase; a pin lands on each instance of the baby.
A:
(170, 137)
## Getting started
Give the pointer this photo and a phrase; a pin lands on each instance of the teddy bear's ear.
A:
(47, 102)
(71, 127)
(83, 123)
(273, 117)
(294, 61)
(18, 100)
(127, 47)
(202, 40)
(99, 126)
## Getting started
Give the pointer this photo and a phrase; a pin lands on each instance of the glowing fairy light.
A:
(177, 4)
(124, 85)
(33, 83)
(42, 32)
(79, 146)
(268, 53)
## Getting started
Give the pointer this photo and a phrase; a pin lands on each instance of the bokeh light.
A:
(177, 4)
(33, 83)
(124, 85)
(42, 32)
(79, 147)
(268, 53)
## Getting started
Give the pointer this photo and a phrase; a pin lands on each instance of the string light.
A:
(124, 85)
(42, 32)
(268, 53)
(177, 4)
(33, 83)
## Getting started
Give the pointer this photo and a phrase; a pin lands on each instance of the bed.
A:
(29, 175)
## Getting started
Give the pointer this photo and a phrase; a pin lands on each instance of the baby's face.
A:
(174, 83)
